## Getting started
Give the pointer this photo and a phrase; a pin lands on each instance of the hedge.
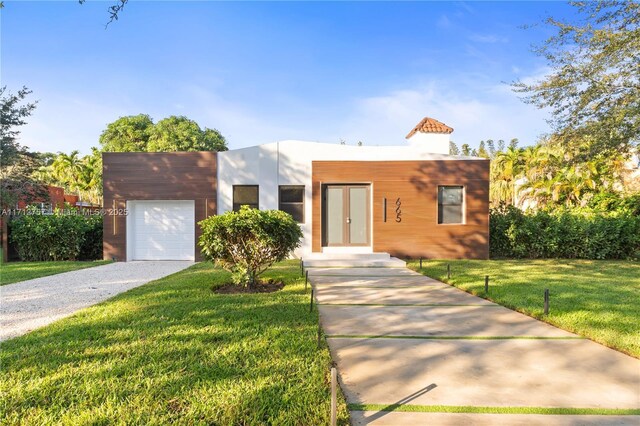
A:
(59, 236)
(569, 234)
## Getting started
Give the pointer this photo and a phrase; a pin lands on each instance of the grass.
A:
(410, 408)
(595, 299)
(13, 272)
(174, 352)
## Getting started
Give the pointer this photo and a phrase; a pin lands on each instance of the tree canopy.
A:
(178, 133)
(127, 134)
(16, 163)
(593, 88)
(138, 133)
(14, 110)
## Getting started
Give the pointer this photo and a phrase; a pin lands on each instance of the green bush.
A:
(59, 236)
(91, 248)
(615, 202)
(249, 241)
(569, 234)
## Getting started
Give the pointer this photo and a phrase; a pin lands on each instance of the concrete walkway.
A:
(400, 338)
(27, 305)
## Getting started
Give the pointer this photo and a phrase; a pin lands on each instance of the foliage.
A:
(482, 150)
(182, 134)
(80, 175)
(453, 148)
(506, 169)
(67, 235)
(91, 247)
(16, 163)
(127, 134)
(172, 352)
(17, 184)
(614, 201)
(13, 114)
(138, 133)
(596, 299)
(545, 175)
(593, 89)
(14, 272)
(468, 151)
(563, 233)
(249, 241)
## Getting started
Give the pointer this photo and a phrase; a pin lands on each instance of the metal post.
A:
(448, 271)
(420, 263)
(486, 283)
(311, 301)
(334, 399)
(546, 301)
(301, 267)
(306, 280)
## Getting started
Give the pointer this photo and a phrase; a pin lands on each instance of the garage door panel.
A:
(162, 230)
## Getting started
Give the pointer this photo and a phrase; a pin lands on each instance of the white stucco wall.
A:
(289, 163)
(432, 142)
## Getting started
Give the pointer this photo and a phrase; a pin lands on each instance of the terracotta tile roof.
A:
(430, 125)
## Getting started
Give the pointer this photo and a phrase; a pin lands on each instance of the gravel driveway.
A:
(31, 304)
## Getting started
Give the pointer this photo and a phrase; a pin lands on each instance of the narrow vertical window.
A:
(450, 204)
(245, 195)
(291, 200)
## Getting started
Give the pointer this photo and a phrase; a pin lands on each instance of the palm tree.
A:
(67, 169)
(90, 178)
(576, 184)
(506, 168)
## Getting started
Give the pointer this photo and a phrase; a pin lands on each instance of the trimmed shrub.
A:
(68, 236)
(579, 234)
(248, 242)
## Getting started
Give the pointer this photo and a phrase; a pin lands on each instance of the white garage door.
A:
(161, 230)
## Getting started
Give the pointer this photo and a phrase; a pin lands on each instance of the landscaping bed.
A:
(174, 352)
(595, 299)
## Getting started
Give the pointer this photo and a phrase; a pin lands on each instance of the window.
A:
(450, 204)
(245, 195)
(291, 200)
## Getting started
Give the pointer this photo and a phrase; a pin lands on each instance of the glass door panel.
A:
(335, 218)
(358, 215)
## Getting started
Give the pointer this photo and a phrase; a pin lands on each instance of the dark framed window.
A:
(245, 195)
(291, 200)
(450, 204)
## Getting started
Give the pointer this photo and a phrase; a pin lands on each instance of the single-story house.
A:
(409, 201)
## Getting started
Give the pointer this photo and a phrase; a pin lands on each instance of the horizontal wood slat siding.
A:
(155, 176)
(416, 184)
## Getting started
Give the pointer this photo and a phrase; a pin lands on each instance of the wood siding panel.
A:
(416, 184)
(131, 176)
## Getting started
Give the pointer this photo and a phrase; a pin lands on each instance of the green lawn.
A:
(172, 351)
(596, 299)
(13, 272)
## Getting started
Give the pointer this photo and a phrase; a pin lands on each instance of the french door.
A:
(346, 215)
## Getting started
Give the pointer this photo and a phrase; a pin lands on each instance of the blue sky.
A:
(261, 72)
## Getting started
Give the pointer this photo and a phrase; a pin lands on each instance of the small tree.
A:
(248, 242)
